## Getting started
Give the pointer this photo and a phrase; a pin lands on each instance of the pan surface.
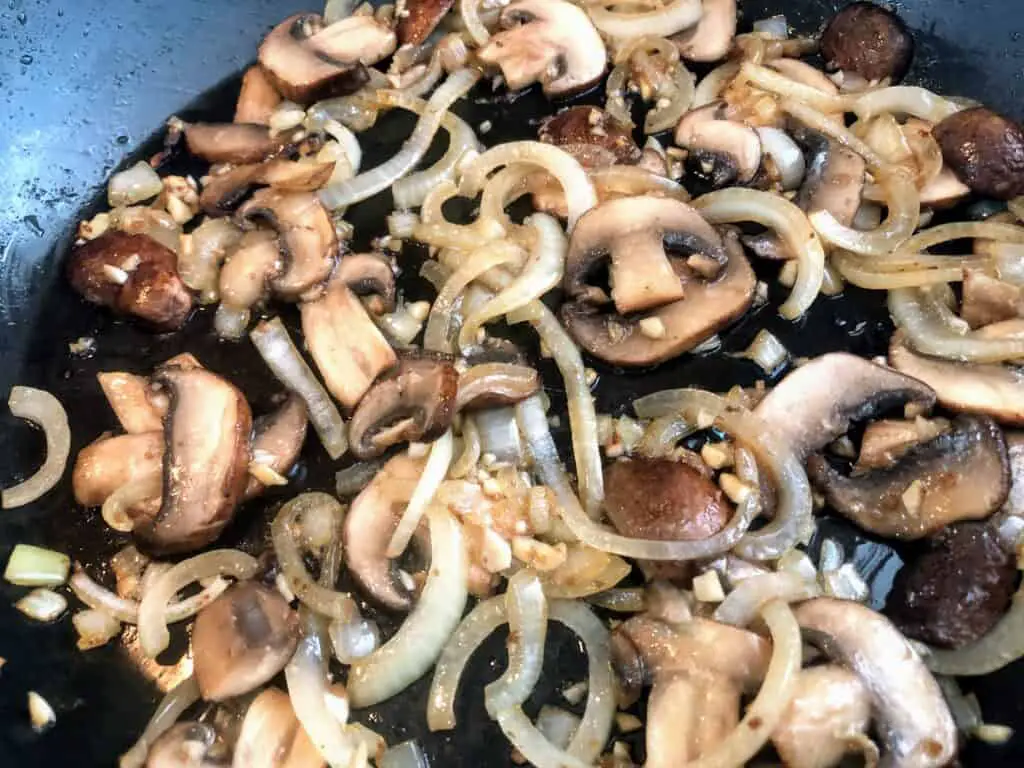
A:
(82, 86)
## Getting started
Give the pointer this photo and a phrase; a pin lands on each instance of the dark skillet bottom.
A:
(102, 700)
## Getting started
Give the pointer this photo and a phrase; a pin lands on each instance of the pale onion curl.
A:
(580, 195)
(670, 19)
(628, 180)
(434, 471)
(885, 274)
(903, 100)
(45, 411)
(100, 598)
(527, 610)
(171, 707)
(711, 87)
(469, 10)
(728, 206)
(775, 82)
(434, 229)
(746, 600)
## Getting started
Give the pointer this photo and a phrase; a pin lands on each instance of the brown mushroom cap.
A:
(257, 98)
(834, 181)
(590, 135)
(548, 41)
(963, 474)
(985, 150)
(188, 745)
(304, 71)
(306, 237)
(707, 307)
(206, 459)
(869, 40)
(277, 440)
(133, 274)
(369, 274)
(245, 278)
(817, 402)
(420, 19)
(232, 142)
(663, 499)
(493, 385)
(722, 152)
(241, 640)
(110, 462)
(414, 402)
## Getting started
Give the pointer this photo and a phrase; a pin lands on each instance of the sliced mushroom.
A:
(820, 400)
(232, 142)
(963, 474)
(639, 340)
(687, 716)
(493, 385)
(548, 41)
(712, 38)
(643, 237)
(868, 40)
(985, 150)
(910, 713)
(954, 592)
(224, 191)
(591, 135)
(133, 274)
(886, 441)
(988, 299)
(1015, 500)
(369, 274)
(247, 274)
(834, 180)
(944, 190)
(420, 19)
(827, 718)
(356, 39)
(802, 72)
(241, 640)
(413, 403)
(304, 72)
(277, 440)
(206, 461)
(348, 348)
(257, 98)
(663, 499)
(307, 237)
(105, 465)
(188, 745)
(271, 737)
(133, 402)
(722, 152)
(995, 390)
(369, 525)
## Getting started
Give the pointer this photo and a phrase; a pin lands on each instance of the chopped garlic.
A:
(628, 723)
(734, 488)
(992, 733)
(537, 554)
(42, 605)
(336, 699)
(267, 475)
(708, 588)
(717, 455)
(913, 496)
(495, 552)
(653, 328)
(419, 310)
(574, 693)
(40, 713)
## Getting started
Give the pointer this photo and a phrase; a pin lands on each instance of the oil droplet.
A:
(26, 59)
(122, 139)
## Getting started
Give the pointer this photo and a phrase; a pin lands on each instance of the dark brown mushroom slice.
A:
(206, 461)
(415, 402)
(241, 640)
(369, 274)
(721, 152)
(988, 299)
(300, 73)
(189, 745)
(369, 526)
(985, 150)
(348, 348)
(834, 181)
(581, 127)
(708, 306)
(420, 19)
(108, 463)
(955, 591)
(868, 40)
(257, 98)
(551, 42)
(223, 192)
(887, 440)
(277, 440)
(991, 389)
(237, 143)
(963, 474)
(493, 385)
(132, 274)
(820, 400)
(644, 237)
(306, 237)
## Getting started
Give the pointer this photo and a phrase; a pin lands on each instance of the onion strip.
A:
(674, 17)
(45, 411)
(434, 472)
(171, 707)
(100, 598)
(746, 600)
(527, 610)
(469, 10)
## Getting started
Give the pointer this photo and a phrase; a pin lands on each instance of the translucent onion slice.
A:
(434, 472)
(469, 10)
(743, 604)
(416, 645)
(728, 206)
(865, 274)
(673, 17)
(171, 707)
(527, 610)
(45, 411)
(777, 83)
(711, 87)
(102, 599)
(116, 506)
(987, 230)
(903, 100)
(153, 635)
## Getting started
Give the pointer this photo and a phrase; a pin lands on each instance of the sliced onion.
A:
(153, 635)
(410, 191)
(31, 566)
(502, 189)
(902, 217)
(322, 599)
(874, 276)
(822, 123)
(774, 27)
(133, 185)
(711, 87)
(499, 435)
(470, 454)
(580, 195)
(469, 10)
(728, 206)
(784, 152)
(45, 411)
(353, 639)
(793, 520)
(336, 10)
(383, 176)
(777, 83)
(171, 707)
(434, 472)
(557, 725)
(926, 321)
(903, 100)
(102, 599)
(230, 322)
(632, 180)
(615, 92)
(674, 17)
(275, 346)
(527, 610)
(673, 103)
(199, 264)
(743, 604)
(988, 230)
(418, 642)
(542, 273)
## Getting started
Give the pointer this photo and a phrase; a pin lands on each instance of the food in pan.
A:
(624, 235)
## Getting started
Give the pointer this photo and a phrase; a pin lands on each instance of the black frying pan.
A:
(82, 84)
